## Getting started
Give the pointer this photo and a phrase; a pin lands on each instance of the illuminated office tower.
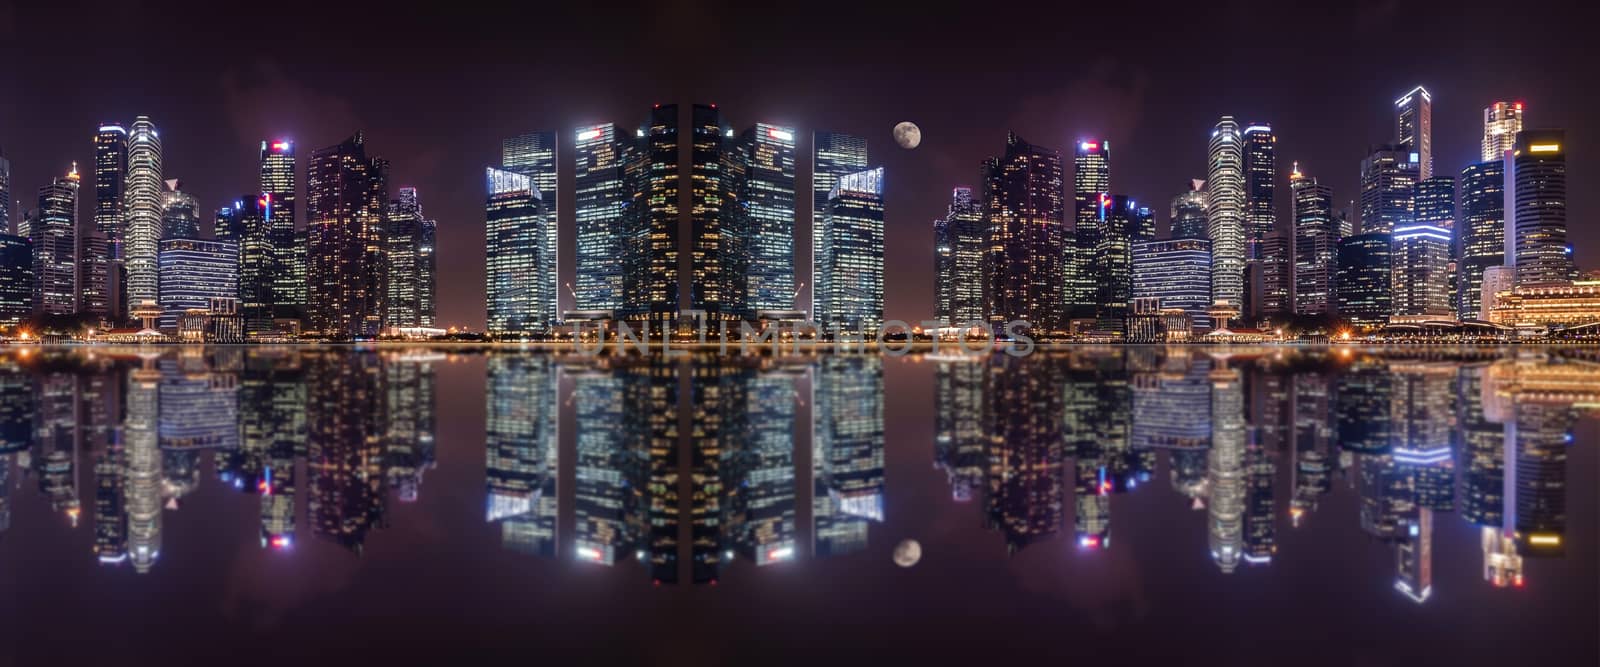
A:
(1313, 444)
(194, 274)
(523, 452)
(1389, 176)
(346, 268)
(515, 268)
(142, 212)
(1315, 244)
(1420, 264)
(610, 469)
(650, 289)
(1501, 123)
(1275, 267)
(1225, 468)
(722, 243)
(411, 263)
(1027, 237)
(142, 486)
(110, 179)
(1482, 231)
(958, 249)
(1113, 262)
(279, 210)
(180, 212)
(244, 223)
(600, 206)
(56, 442)
(5, 194)
(535, 155)
(344, 446)
(16, 279)
(1189, 212)
(766, 198)
(853, 256)
(833, 155)
(958, 435)
(1536, 468)
(1178, 274)
(53, 228)
(5, 493)
(1363, 279)
(1225, 214)
(847, 444)
(1091, 180)
(1260, 152)
(1413, 115)
(96, 272)
(1414, 559)
(1435, 205)
(758, 463)
(1543, 256)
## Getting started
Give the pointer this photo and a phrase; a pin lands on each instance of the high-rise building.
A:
(1363, 279)
(1482, 231)
(721, 240)
(1275, 296)
(1189, 212)
(766, 198)
(518, 304)
(195, 274)
(600, 205)
(650, 289)
(110, 172)
(832, 155)
(53, 229)
(1543, 256)
(1113, 262)
(346, 270)
(1434, 204)
(1421, 262)
(1315, 244)
(142, 212)
(244, 223)
(1260, 179)
(1389, 176)
(1178, 274)
(1501, 123)
(1225, 214)
(1413, 116)
(1091, 180)
(411, 263)
(16, 279)
(853, 255)
(1027, 244)
(279, 208)
(5, 194)
(534, 155)
(180, 212)
(958, 240)
(96, 275)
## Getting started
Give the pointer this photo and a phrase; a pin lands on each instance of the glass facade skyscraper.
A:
(278, 206)
(721, 241)
(16, 279)
(650, 289)
(853, 255)
(1113, 262)
(410, 236)
(535, 156)
(1315, 244)
(1025, 213)
(1189, 212)
(346, 268)
(1260, 181)
(180, 213)
(110, 177)
(1091, 179)
(53, 230)
(142, 211)
(1389, 176)
(244, 223)
(1177, 272)
(832, 155)
(1225, 214)
(601, 201)
(766, 198)
(1364, 279)
(1543, 256)
(518, 307)
(1413, 114)
(1421, 259)
(194, 274)
(1501, 123)
(1482, 230)
(958, 260)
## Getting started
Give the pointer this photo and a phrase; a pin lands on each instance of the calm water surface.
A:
(301, 506)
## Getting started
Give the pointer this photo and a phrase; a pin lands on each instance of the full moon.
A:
(907, 134)
(907, 552)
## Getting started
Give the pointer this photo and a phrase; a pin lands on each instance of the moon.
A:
(907, 134)
(907, 553)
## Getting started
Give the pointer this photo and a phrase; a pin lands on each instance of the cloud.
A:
(261, 101)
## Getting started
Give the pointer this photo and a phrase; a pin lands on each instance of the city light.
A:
(1544, 148)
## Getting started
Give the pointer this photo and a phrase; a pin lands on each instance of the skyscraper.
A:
(346, 269)
(194, 274)
(853, 255)
(5, 194)
(1501, 123)
(411, 263)
(1434, 205)
(1389, 176)
(1413, 116)
(16, 279)
(535, 156)
(1189, 212)
(1113, 262)
(650, 289)
(766, 196)
(721, 240)
(180, 212)
(244, 223)
(1178, 274)
(518, 306)
(1260, 177)
(110, 172)
(1315, 244)
(1543, 256)
(1482, 231)
(1091, 179)
(601, 202)
(54, 232)
(1421, 258)
(1275, 296)
(958, 260)
(1364, 277)
(142, 213)
(96, 275)
(1027, 245)
(1225, 211)
(832, 155)
(279, 208)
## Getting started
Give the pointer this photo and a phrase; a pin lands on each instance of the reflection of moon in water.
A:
(907, 553)
(907, 134)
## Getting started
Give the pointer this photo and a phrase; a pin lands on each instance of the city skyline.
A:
(209, 142)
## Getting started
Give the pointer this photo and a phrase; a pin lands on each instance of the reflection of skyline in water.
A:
(684, 466)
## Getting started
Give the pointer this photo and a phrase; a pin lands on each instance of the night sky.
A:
(435, 88)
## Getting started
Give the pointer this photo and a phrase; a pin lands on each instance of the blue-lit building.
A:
(848, 442)
(1421, 271)
(16, 279)
(766, 199)
(194, 274)
(533, 155)
(1482, 231)
(516, 264)
(853, 255)
(1119, 227)
(523, 449)
(1388, 182)
(1539, 178)
(1364, 279)
(601, 201)
(833, 155)
(1177, 272)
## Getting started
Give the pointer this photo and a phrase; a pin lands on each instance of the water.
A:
(298, 506)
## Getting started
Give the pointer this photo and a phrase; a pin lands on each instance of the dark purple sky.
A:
(436, 87)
